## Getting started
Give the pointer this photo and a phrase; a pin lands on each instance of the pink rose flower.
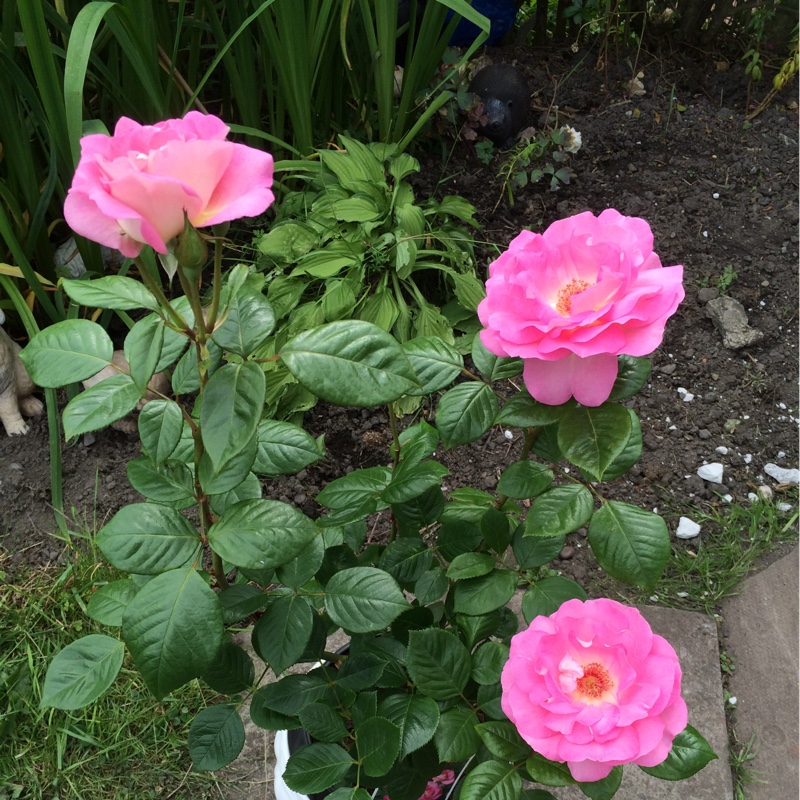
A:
(446, 777)
(432, 792)
(592, 685)
(131, 189)
(572, 299)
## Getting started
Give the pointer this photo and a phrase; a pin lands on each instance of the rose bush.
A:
(572, 299)
(591, 685)
(131, 189)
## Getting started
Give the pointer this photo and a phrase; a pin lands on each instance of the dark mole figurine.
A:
(506, 99)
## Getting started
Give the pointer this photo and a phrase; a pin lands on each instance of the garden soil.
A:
(721, 195)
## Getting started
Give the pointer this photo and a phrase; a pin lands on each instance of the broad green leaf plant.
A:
(427, 610)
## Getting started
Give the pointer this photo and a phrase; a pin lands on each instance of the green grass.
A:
(703, 571)
(126, 745)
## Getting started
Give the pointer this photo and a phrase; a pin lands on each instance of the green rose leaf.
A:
(438, 663)
(148, 539)
(604, 789)
(284, 449)
(363, 599)
(231, 671)
(496, 529)
(323, 723)
(492, 780)
(232, 404)
(632, 374)
(550, 773)
(378, 745)
(261, 534)
(294, 692)
(69, 351)
(522, 411)
(481, 595)
(186, 373)
(169, 482)
(216, 737)
(230, 473)
(503, 741)
(630, 544)
(113, 291)
(545, 596)
(455, 738)
(355, 489)
(100, 405)
(249, 321)
(431, 586)
(160, 426)
(316, 767)
(350, 363)
(282, 632)
(241, 600)
(409, 481)
(269, 719)
(492, 367)
(524, 479)
(248, 489)
(689, 754)
(360, 671)
(465, 413)
(559, 511)
(532, 552)
(173, 629)
(415, 715)
(82, 672)
(591, 438)
(406, 559)
(488, 661)
(142, 350)
(436, 363)
(108, 603)
(630, 454)
(470, 565)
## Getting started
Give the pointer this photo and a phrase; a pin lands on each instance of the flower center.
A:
(596, 681)
(564, 299)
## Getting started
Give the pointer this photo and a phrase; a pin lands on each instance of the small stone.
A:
(706, 295)
(764, 493)
(704, 433)
(784, 507)
(730, 319)
(687, 528)
(782, 475)
(567, 553)
(722, 450)
(711, 472)
(668, 369)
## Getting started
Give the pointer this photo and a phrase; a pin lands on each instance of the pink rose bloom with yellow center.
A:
(572, 299)
(592, 685)
(131, 189)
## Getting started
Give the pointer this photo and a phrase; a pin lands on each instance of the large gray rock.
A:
(762, 626)
(730, 319)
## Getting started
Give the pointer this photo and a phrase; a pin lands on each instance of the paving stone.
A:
(762, 627)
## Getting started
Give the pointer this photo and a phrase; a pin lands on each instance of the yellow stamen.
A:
(596, 681)
(564, 301)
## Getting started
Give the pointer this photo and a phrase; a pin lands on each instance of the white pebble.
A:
(683, 594)
(723, 451)
(715, 195)
(705, 234)
(728, 498)
(653, 598)
(733, 700)
(711, 472)
(752, 497)
(687, 528)
(508, 435)
(784, 507)
(782, 406)
(764, 493)
(782, 475)
(688, 397)
(781, 454)
(672, 428)
(748, 458)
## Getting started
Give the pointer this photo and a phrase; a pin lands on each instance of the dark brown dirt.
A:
(719, 194)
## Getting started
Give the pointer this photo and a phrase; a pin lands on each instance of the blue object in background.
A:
(502, 14)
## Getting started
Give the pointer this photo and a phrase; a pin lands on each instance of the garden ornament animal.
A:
(506, 99)
(16, 387)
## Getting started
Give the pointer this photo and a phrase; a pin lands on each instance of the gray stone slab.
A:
(762, 627)
(694, 637)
